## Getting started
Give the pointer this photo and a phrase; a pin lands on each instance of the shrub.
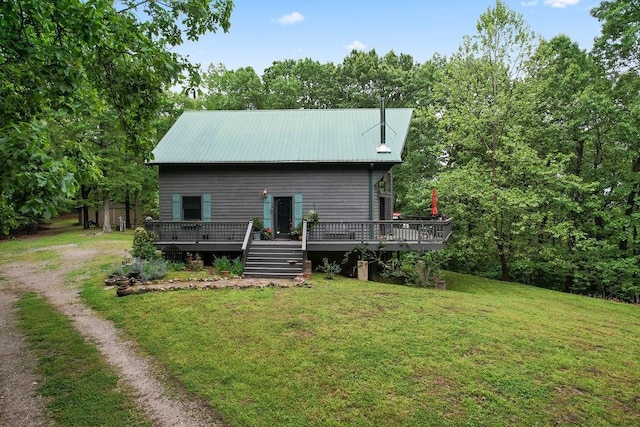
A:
(329, 269)
(175, 266)
(222, 264)
(237, 267)
(121, 270)
(416, 269)
(153, 269)
(143, 269)
(143, 244)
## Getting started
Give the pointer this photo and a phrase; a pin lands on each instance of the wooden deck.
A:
(396, 235)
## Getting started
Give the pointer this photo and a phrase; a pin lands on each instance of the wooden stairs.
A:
(277, 259)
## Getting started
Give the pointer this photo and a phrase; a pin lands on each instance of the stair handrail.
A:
(304, 240)
(248, 238)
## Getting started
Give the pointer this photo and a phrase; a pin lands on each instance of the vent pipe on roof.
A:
(383, 147)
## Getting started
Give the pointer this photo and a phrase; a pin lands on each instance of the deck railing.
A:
(395, 230)
(197, 231)
(436, 230)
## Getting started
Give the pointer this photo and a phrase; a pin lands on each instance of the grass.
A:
(37, 249)
(351, 353)
(80, 386)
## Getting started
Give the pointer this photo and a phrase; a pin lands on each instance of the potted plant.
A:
(222, 266)
(266, 234)
(313, 217)
(296, 232)
(257, 228)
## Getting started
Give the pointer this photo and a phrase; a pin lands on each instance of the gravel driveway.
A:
(20, 405)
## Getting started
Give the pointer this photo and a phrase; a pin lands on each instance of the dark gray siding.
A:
(338, 193)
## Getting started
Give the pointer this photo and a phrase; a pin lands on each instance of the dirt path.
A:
(19, 402)
(20, 406)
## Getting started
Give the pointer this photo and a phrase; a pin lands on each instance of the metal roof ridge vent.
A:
(383, 147)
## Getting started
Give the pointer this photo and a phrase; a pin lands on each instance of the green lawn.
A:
(346, 352)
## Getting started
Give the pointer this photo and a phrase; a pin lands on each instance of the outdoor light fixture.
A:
(264, 193)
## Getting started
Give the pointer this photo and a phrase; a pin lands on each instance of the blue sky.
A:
(264, 31)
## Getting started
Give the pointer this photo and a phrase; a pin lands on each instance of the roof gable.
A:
(284, 136)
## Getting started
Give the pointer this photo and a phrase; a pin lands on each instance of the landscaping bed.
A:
(213, 283)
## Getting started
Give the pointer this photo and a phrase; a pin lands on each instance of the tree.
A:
(232, 90)
(85, 58)
(619, 44)
(364, 78)
(496, 182)
(300, 84)
(619, 49)
(420, 159)
(574, 115)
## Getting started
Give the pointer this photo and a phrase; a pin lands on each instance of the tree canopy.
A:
(86, 59)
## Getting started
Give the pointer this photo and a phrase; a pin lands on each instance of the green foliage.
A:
(420, 269)
(266, 233)
(618, 45)
(175, 266)
(330, 269)
(533, 150)
(361, 252)
(365, 77)
(297, 230)
(301, 83)
(99, 70)
(35, 182)
(143, 244)
(232, 90)
(222, 264)
(237, 267)
(153, 269)
(312, 219)
(143, 269)
(257, 224)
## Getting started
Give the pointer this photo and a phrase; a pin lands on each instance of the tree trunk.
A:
(84, 192)
(135, 209)
(504, 266)
(106, 226)
(127, 208)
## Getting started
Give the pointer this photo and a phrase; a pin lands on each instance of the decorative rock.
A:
(218, 283)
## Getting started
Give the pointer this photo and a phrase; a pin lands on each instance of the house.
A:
(220, 169)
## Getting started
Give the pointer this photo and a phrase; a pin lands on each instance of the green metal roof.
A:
(284, 136)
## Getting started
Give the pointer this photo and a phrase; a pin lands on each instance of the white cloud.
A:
(530, 3)
(356, 45)
(561, 3)
(290, 18)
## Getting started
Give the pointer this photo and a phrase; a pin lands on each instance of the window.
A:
(191, 208)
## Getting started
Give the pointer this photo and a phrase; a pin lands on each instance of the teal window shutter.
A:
(266, 211)
(206, 207)
(297, 209)
(176, 206)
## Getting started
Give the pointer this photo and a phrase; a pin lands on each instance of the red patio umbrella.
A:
(434, 202)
